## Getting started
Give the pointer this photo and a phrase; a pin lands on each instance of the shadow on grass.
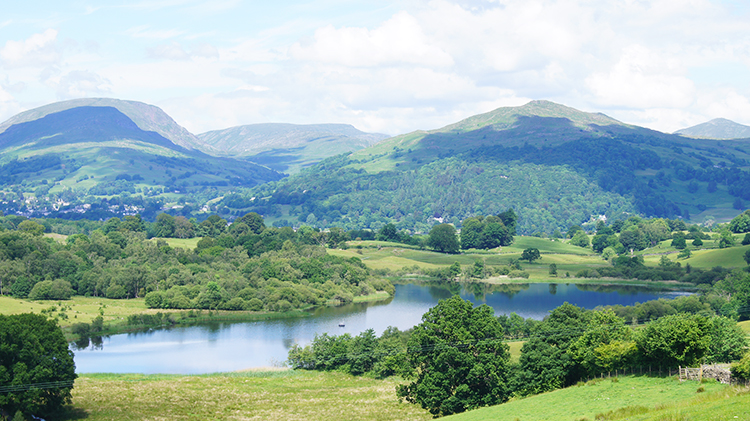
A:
(69, 413)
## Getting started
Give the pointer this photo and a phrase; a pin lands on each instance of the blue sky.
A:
(384, 66)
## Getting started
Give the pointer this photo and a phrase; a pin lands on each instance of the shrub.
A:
(518, 274)
(51, 290)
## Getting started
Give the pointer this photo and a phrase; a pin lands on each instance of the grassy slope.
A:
(597, 397)
(568, 258)
(280, 395)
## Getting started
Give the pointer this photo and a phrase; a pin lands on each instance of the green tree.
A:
(727, 240)
(553, 269)
(443, 238)
(679, 242)
(459, 361)
(633, 239)
(746, 256)
(697, 242)
(746, 239)
(31, 227)
(33, 350)
(674, 340)
(164, 225)
(740, 223)
(545, 363)
(580, 239)
(531, 254)
(388, 233)
(253, 221)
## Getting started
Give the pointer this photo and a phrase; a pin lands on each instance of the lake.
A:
(221, 347)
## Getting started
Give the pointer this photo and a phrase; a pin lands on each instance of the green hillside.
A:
(555, 166)
(629, 397)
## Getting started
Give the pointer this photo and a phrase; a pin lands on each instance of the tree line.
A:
(456, 359)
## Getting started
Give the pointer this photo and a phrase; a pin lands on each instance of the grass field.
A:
(655, 396)
(185, 243)
(78, 309)
(274, 395)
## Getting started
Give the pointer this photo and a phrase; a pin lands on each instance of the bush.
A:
(741, 369)
(518, 274)
(83, 330)
(51, 290)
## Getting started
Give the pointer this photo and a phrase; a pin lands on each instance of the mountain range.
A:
(286, 147)
(555, 165)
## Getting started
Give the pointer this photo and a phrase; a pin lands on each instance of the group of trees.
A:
(456, 358)
(243, 266)
(36, 367)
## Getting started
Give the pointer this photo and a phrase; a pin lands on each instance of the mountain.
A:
(287, 147)
(61, 162)
(146, 117)
(554, 165)
(718, 128)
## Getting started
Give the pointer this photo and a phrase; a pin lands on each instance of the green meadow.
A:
(264, 395)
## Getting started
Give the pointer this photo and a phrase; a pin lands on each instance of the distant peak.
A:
(718, 128)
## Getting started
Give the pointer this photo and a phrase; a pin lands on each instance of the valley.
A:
(132, 233)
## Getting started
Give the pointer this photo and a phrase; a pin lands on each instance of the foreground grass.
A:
(277, 395)
(644, 396)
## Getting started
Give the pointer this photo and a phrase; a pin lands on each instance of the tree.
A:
(459, 361)
(33, 351)
(531, 254)
(674, 340)
(580, 239)
(746, 256)
(253, 221)
(746, 239)
(388, 233)
(553, 269)
(727, 240)
(697, 242)
(443, 238)
(684, 254)
(679, 242)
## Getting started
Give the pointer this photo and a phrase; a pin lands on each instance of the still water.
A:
(219, 347)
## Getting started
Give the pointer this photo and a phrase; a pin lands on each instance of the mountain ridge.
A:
(146, 116)
(286, 147)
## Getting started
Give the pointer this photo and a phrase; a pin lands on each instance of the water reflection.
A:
(215, 347)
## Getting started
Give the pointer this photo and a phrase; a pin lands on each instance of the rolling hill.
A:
(286, 147)
(718, 128)
(556, 166)
(75, 161)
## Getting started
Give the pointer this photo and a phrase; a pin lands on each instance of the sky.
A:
(383, 66)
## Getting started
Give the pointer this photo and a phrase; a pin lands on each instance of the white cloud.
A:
(399, 40)
(171, 51)
(144, 31)
(37, 50)
(80, 83)
(643, 78)
(730, 105)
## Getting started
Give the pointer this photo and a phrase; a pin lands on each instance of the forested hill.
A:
(556, 166)
(287, 147)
